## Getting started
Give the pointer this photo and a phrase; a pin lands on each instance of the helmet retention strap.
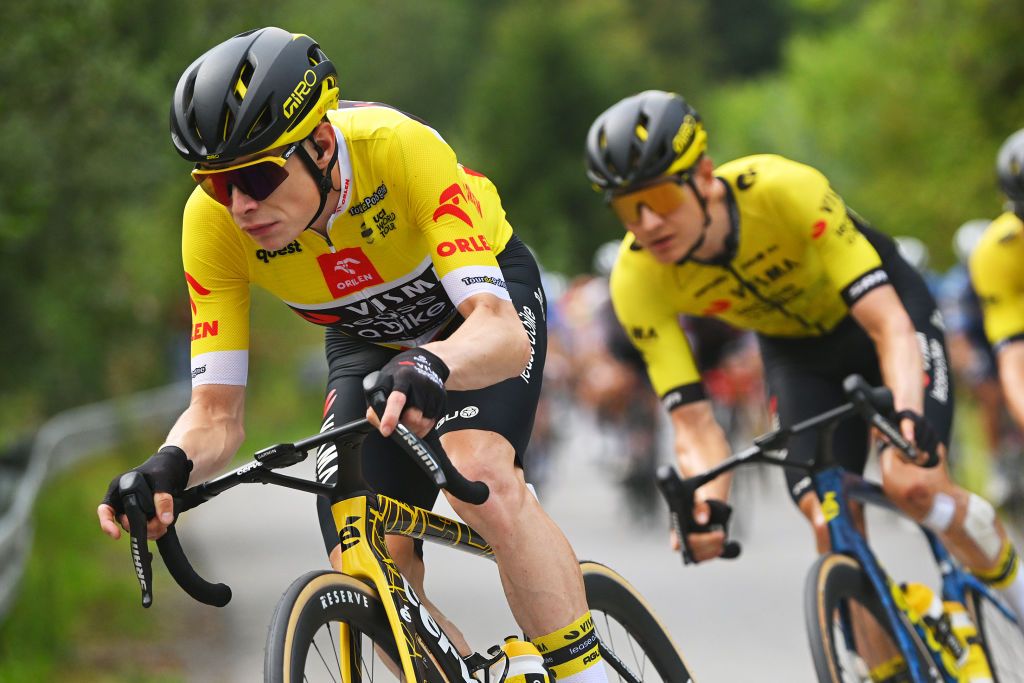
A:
(324, 179)
(704, 228)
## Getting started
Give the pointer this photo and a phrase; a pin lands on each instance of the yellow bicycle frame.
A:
(362, 527)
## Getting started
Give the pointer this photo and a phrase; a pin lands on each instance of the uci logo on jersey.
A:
(299, 93)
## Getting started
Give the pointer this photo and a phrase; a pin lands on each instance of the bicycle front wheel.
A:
(847, 627)
(1001, 638)
(633, 643)
(331, 627)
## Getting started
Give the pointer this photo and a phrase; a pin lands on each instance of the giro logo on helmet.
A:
(299, 93)
(684, 137)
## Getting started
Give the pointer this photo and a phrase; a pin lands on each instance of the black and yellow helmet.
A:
(1010, 168)
(256, 91)
(641, 137)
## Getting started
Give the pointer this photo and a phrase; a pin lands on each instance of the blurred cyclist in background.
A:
(997, 272)
(971, 356)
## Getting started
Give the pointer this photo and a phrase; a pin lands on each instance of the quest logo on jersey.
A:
(348, 270)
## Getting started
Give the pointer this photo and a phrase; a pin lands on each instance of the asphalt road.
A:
(738, 620)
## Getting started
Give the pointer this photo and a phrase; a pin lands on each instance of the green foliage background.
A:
(903, 103)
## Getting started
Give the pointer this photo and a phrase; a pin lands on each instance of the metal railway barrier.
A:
(61, 442)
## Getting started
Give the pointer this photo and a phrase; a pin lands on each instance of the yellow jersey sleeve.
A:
(653, 327)
(443, 201)
(998, 278)
(217, 276)
(807, 203)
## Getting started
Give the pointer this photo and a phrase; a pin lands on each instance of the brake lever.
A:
(138, 507)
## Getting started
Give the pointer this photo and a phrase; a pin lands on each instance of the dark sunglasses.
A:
(662, 198)
(258, 178)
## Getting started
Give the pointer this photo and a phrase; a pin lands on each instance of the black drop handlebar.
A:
(874, 404)
(138, 498)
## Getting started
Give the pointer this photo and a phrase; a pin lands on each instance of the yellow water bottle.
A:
(525, 664)
(950, 628)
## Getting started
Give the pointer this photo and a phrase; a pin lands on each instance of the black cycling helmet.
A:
(1010, 169)
(641, 137)
(256, 91)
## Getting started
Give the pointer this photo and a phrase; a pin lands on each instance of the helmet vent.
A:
(262, 121)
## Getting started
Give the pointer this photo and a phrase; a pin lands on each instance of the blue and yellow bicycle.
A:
(858, 618)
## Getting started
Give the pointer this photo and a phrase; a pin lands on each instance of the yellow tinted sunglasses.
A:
(258, 178)
(662, 198)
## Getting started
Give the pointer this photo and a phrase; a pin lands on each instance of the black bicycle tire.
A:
(977, 616)
(611, 594)
(300, 613)
(832, 578)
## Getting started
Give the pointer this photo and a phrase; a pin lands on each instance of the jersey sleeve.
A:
(807, 202)
(454, 224)
(653, 328)
(996, 276)
(216, 274)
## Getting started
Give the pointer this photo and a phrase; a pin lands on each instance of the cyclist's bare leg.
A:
(411, 565)
(915, 491)
(876, 647)
(538, 568)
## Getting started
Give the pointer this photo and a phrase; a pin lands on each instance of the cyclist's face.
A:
(279, 219)
(669, 229)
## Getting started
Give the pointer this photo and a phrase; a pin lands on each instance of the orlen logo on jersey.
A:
(819, 229)
(348, 270)
(478, 243)
(204, 329)
(449, 203)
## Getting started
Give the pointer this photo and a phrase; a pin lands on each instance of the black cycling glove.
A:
(925, 437)
(420, 375)
(718, 520)
(165, 472)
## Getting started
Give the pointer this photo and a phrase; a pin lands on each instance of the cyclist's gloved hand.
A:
(926, 439)
(166, 472)
(420, 375)
(701, 549)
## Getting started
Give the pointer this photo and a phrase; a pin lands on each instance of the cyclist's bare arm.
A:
(1011, 377)
(209, 431)
(489, 347)
(882, 315)
(700, 444)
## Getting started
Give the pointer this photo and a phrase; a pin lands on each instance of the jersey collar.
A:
(345, 175)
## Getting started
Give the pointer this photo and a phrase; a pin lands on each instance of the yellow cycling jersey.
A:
(413, 235)
(796, 260)
(998, 279)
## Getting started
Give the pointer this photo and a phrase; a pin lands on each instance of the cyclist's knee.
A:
(915, 495)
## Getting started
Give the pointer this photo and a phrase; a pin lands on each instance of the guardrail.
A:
(61, 442)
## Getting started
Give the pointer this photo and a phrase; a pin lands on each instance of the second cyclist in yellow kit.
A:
(765, 243)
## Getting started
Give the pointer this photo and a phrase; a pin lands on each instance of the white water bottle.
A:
(525, 665)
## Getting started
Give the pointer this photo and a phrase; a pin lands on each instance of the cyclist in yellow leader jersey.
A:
(764, 243)
(360, 219)
(998, 276)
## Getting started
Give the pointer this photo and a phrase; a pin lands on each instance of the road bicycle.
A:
(850, 579)
(367, 623)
